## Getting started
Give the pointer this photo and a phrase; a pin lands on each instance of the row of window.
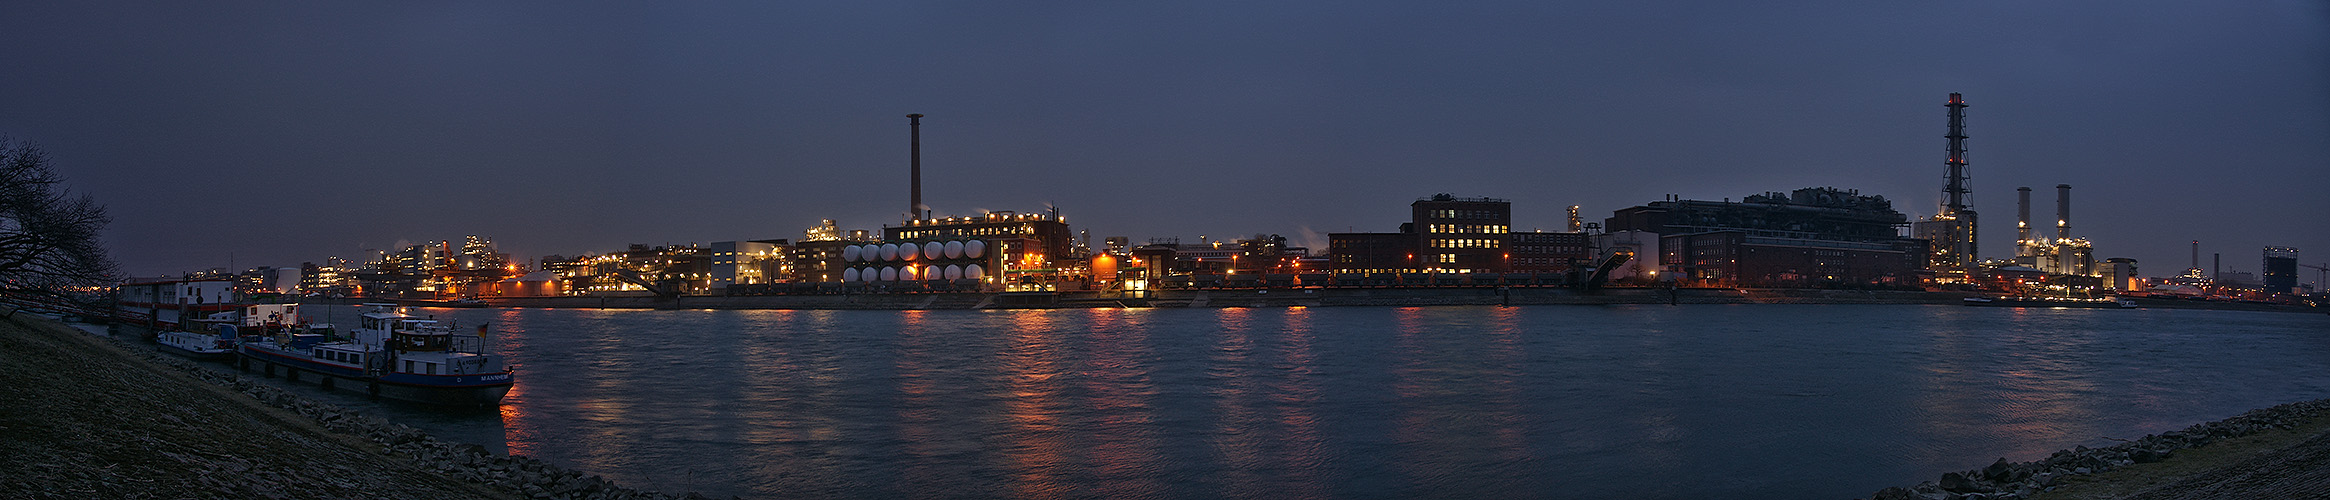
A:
(976, 231)
(1464, 214)
(1468, 243)
(1468, 228)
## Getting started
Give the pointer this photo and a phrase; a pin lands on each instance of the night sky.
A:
(272, 134)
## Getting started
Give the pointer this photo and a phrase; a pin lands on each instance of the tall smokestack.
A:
(2062, 211)
(2196, 255)
(914, 126)
(2022, 224)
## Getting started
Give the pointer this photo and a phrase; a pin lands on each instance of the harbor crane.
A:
(2320, 272)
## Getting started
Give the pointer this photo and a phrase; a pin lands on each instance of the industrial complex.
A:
(1805, 238)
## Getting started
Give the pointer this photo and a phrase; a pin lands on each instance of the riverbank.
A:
(2277, 452)
(91, 417)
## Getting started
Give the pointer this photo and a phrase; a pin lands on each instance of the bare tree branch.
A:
(49, 239)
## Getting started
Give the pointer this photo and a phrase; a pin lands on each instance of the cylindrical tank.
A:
(953, 272)
(850, 274)
(889, 274)
(907, 251)
(955, 249)
(934, 273)
(934, 250)
(974, 249)
(973, 272)
(852, 253)
(889, 252)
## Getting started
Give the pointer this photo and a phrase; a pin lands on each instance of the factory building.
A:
(1371, 252)
(1542, 252)
(2281, 269)
(1031, 251)
(2061, 254)
(1810, 238)
(1449, 234)
(818, 257)
(749, 262)
(2119, 273)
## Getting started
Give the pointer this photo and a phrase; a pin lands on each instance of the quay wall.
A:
(1275, 297)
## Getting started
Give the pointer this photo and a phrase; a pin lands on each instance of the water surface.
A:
(1693, 401)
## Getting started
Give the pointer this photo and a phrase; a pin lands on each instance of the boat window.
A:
(432, 368)
(408, 366)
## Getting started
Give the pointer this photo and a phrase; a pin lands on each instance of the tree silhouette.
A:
(48, 237)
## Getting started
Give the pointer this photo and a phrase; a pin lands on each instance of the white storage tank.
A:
(850, 274)
(889, 252)
(907, 251)
(975, 249)
(955, 249)
(934, 250)
(953, 272)
(890, 273)
(973, 272)
(852, 253)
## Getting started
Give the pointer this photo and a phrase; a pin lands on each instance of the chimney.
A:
(2022, 225)
(914, 125)
(2062, 211)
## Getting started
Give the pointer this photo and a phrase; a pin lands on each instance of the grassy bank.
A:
(2277, 452)
(85, 416)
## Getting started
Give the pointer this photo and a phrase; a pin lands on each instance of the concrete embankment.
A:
(85, 416)
(2277, 452)
(1280, 297)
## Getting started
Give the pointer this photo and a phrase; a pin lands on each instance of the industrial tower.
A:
(915, 209)
(1955, 243)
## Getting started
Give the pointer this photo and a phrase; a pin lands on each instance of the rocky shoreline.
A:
(2003, 480)
(222, 467)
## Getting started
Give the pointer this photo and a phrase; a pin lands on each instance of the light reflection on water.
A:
(1773, 401)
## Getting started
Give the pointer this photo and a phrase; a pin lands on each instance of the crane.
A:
(2320, 272)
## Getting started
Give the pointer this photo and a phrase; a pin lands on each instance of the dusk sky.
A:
(277, 133)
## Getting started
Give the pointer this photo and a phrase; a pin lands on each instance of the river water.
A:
(1693, 401)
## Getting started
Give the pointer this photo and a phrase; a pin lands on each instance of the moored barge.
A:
(393, 355)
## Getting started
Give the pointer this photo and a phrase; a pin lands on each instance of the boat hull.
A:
(204, 355)
(2033, 302)
(450, 390)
